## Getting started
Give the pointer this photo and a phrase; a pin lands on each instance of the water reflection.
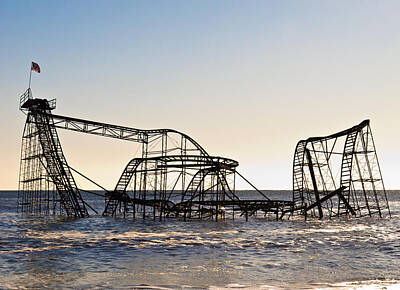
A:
(103, 252)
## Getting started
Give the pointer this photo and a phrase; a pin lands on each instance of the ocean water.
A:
(97, 252)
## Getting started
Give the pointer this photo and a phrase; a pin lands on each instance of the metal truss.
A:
(187, 187)
(339, 175)
(45, 177)
(172, 176)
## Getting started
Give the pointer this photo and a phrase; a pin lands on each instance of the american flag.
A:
(35, 67)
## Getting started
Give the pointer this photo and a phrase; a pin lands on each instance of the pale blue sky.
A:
(246, 79)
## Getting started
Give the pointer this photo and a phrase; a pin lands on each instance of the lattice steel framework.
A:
(46, 183)
(339, 175)
(172, 177)
(188, 186)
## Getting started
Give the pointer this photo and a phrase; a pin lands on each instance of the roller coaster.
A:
(339, 175)
(174, 177)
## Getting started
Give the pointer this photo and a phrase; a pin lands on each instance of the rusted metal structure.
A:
(339, 175)
(172, 176)
(46, 184)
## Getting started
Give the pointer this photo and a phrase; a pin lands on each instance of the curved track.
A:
(172, 173)
(349, 154)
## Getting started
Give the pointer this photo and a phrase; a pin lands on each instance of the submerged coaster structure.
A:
(339, 175)
(172, 176)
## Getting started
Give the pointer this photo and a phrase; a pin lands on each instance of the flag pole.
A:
(30, 77)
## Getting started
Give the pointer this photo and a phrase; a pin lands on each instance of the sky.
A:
(246, 79)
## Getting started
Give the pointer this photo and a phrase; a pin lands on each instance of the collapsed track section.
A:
(188, 186)
(172, 176)
(339, 175)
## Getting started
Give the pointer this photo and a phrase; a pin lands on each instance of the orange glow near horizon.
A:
(245, 80)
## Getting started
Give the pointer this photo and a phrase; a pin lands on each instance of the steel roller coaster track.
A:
(174, 177)
(339, 175)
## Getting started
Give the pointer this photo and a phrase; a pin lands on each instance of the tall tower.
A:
(46, 185)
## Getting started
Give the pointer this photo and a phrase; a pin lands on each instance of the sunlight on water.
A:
(108, 253)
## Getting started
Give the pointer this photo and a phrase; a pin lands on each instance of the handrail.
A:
(115, 131)
(339, 134)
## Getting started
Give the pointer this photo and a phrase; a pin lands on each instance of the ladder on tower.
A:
(346, 168)
(57, 167)
(298, 194)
